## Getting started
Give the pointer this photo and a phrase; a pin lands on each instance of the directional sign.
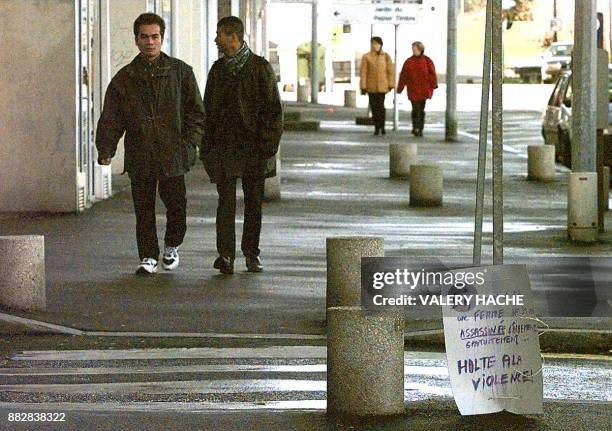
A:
(556, 24)
(377, 13)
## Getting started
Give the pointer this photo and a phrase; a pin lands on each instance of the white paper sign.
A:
(493, 351)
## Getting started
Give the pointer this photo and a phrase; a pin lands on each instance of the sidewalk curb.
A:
(558, 340)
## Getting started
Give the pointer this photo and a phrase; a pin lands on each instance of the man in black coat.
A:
(242, 133)
(156, 102)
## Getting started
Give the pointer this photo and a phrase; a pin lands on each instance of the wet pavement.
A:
(259, 377)
(271, 388)
(334, 182)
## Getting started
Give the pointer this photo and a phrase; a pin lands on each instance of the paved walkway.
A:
(334, 182)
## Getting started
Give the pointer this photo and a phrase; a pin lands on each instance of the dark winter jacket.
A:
(245, 110)
(163, 123)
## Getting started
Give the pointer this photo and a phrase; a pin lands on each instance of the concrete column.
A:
(22, 272)
(426, 185)
(584, 85)
(606, 184)
(272, 186)
(365, 363)
(314, 48)
(302, 93)
(350, 98)
(582, 207)
(451, 73)
(235, 7)
(265, 31)
(541, 162)
(401, 157)
(344, 267)
(176, 23)
(39, 112)
(210, 31)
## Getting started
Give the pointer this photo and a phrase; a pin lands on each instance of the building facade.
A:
(57, 60)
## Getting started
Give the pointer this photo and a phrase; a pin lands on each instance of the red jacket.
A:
(419, 77)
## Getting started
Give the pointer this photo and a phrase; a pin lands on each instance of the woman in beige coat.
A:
(377, 78)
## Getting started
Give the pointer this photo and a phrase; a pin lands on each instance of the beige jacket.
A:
(377, 72)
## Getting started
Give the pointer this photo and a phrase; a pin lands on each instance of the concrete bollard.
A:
(350, 99)
(22, 272)
(401, 157)
(303, 93)
(541, 162)
(426, 185)
(272, 185)
(606, 182)
(344, 267)
(582, 207)
(365, 363)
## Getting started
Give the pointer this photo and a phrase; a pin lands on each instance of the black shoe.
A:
(415, 132)
(253, 264)
(376, 132)
(224, 264)
(383, 131)
(419, 133)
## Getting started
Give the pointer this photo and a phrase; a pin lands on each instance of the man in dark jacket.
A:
(156, 102)
(242, 134)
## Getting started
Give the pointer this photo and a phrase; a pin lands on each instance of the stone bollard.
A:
(426, 185)
(22, 272)
(606, 183)
(541, 162)
(303, 93)
(401, 157)
(272, 186)
(582, 207)
(365, 363)
(350, 99)
(344, 267)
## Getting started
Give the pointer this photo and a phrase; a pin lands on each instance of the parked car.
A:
(557, 120)
(555, 60)
(547, 66)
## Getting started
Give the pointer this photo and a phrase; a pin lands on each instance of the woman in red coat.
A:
(419, 77)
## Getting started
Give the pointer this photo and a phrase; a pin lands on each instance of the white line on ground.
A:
(241, 386)
(285, 352)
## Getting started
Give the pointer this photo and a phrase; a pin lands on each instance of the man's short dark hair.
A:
(377, 39)
(231, 25)
(148, 19)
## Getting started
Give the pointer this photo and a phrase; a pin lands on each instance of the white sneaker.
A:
(170, 260)
(147, 266)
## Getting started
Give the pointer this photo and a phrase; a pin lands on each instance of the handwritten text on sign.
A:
(493, 351)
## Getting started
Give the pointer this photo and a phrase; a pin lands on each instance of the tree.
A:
(521, 11)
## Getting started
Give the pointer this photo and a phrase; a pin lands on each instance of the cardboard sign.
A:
(492, 345)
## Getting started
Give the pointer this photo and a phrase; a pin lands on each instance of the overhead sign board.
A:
(393, 13)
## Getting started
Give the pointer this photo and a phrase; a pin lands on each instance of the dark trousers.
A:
(377, 104)
(253, 188)
(172, 193)
(418, 115)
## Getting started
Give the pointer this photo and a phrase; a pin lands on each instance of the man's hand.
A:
(104, 162)
(363, 91)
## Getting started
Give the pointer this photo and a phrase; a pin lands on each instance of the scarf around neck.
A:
(237, 61)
